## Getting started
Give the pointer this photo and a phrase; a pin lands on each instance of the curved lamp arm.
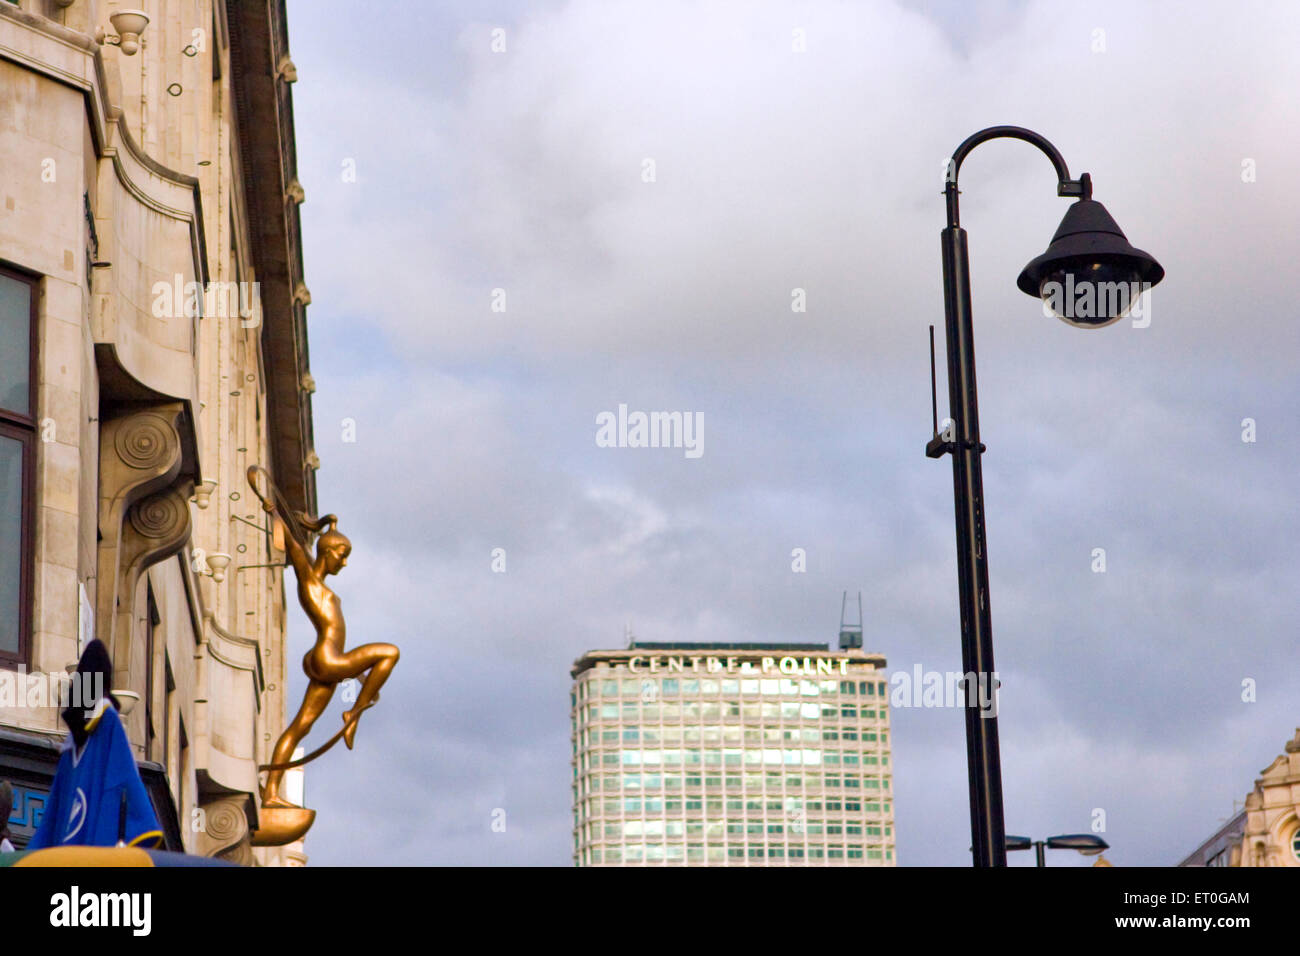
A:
(1065, 186)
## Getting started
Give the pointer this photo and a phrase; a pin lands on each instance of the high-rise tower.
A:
(731, 755)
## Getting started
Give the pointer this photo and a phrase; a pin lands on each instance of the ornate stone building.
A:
(1267, 830)
(152, 346)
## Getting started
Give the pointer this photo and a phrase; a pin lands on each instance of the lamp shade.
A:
(129, 24)
(1089, 844)
(129, 21)
(1089, 276)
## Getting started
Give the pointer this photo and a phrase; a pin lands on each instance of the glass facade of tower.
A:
(731, 755)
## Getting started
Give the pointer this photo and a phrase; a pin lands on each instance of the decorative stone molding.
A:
(1273, 811)
(146, 440)
(226, 829)
(143, 356)
(230, 668)
(162, 517)
(144, 515)
(257, 39)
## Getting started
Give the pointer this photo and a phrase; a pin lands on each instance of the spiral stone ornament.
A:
(224, 831)
(225, 822)
(162, 515)
(146, 440)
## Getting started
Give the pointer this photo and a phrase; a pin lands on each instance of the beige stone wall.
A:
(76, 121)
(1265, 831)
(1273, 812)
(41, 231)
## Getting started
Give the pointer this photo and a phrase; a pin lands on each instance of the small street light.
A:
(1088, 844)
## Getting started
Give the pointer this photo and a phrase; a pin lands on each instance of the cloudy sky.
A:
(525, 171)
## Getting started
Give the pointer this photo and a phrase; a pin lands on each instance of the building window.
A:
(1295, 846)
(17, 448)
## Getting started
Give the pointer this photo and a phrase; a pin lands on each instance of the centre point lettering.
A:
(804, 666)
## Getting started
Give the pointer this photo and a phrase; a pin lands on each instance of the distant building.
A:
(1222, 849)
(731, 755)
(153, 345)
(1267, 831)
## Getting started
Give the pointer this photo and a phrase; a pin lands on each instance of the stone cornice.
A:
(63, 54)
(134, 184)
(241, 653)
(264, 114)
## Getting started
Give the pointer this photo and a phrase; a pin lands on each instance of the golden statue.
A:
(326, 665)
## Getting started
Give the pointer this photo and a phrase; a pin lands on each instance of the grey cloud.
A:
(476, 429)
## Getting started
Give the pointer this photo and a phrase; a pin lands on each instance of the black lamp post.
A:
(1088, 277)
(1086, 843)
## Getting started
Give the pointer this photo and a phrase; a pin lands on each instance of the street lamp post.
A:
(1086, 843)
(1088, 254)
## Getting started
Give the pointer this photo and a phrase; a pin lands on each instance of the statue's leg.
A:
(314, 703)
(379, 659)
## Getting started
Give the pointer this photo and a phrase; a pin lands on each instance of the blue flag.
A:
(85, 805)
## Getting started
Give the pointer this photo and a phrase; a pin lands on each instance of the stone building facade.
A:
(1267, 830)
(153, 333)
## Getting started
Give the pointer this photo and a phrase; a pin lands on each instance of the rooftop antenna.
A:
(1235, 810)
(850, 634)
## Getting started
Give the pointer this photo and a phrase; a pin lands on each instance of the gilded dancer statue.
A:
(327, 663)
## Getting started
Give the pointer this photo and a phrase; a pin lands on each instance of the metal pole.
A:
(988, 837)
(1041, 852)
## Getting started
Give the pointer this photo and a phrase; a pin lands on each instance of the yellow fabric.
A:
(153, 838)
(87, 856)
(93, 722)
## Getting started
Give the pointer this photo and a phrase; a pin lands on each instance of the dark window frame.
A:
(23, 428)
